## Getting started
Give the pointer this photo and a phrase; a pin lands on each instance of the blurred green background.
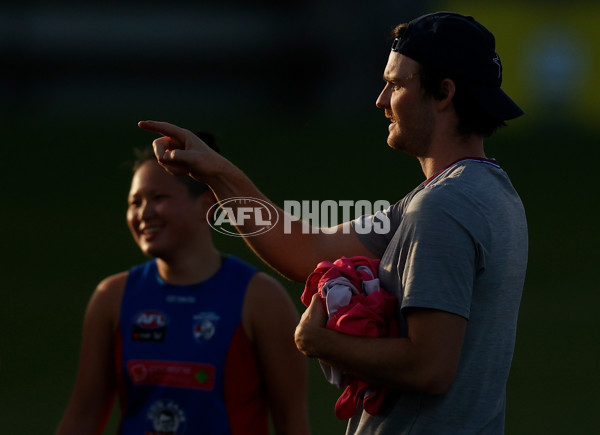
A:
(288, 88)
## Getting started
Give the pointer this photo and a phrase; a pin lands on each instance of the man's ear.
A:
(447, 89)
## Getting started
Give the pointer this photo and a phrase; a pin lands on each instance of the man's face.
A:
(410, 113)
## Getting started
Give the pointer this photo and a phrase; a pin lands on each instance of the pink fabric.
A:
(342, 267)
(366, 315)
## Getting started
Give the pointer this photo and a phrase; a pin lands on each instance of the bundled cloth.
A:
(356, 305)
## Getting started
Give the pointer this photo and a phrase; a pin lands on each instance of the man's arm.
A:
(425, 361)
(294, 253)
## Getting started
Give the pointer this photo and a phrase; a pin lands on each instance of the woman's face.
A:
(162, 215)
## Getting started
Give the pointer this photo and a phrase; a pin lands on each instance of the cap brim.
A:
(494, 101)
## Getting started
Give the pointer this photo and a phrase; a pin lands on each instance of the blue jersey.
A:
(185, 365)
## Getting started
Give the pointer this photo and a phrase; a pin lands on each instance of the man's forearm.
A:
(425, 361)
(381, 362)
(291, 250)
(286, 248)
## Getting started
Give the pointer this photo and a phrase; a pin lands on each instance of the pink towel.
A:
(369, 313)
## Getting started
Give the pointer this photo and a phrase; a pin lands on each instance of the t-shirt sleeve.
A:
(375, 231)
(441, 254)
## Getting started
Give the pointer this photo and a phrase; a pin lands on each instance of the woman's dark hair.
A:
(472, 119)
(195, 188)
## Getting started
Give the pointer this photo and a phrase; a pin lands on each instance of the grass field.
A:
(63, 230)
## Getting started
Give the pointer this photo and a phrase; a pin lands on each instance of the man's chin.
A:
(395, 143)
(392, 141)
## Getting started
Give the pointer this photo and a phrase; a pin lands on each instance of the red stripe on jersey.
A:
(244, 398)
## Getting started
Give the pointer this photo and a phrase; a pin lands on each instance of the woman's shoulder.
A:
(267, 304)
(105, 302)
(113, 283)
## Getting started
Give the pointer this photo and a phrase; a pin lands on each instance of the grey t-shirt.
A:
(458, 243)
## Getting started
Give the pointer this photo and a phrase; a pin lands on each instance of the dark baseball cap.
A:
(465, 49)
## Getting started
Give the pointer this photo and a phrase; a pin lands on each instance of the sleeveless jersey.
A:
(184, 362)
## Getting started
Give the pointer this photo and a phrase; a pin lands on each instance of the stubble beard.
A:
(415, 141)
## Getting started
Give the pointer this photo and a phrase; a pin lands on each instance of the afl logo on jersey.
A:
(205, 326)
(150, 325)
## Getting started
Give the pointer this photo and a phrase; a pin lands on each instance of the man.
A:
(456, 253)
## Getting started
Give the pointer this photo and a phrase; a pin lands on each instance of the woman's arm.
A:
(270, 317)
(95, 387)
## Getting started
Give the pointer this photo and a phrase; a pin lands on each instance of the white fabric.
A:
(337, 293)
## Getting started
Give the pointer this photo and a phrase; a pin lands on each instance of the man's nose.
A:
(383, 99)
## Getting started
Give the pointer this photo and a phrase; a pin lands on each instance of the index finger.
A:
(165, 129)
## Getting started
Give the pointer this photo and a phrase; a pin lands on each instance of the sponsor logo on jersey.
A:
(205, 326)
(172, 374)
(149, 325)
(165, 417)
(178, 299)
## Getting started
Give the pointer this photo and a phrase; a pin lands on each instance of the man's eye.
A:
(394, 86)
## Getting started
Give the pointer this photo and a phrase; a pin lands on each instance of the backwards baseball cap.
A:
(461, 46)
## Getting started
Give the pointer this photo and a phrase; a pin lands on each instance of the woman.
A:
(193, 341)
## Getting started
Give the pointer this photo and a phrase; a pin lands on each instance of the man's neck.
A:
(443, 154)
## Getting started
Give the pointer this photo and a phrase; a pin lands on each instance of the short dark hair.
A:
(472, 119)
(195, 188)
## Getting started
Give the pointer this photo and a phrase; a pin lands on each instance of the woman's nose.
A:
(146, 210)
